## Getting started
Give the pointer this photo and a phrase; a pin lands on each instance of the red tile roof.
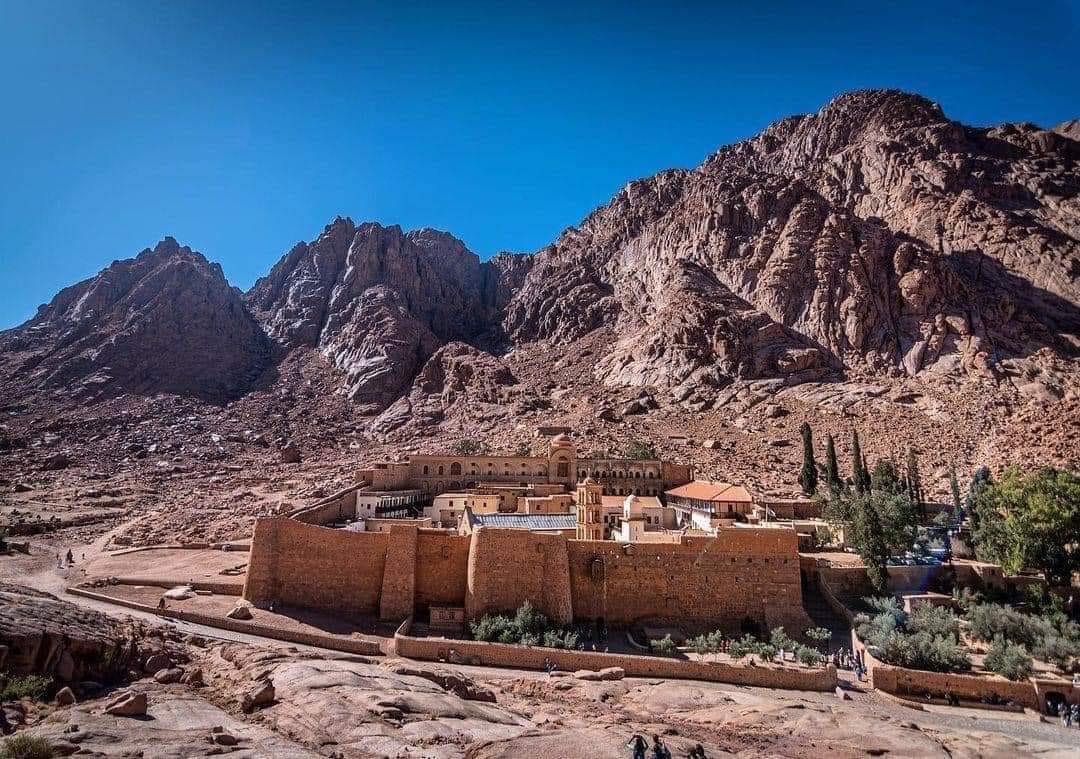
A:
(702, 490)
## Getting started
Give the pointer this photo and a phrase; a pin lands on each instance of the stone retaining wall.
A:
(901, 681)
(535, 657)
(218, 588)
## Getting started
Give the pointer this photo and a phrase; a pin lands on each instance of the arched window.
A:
(425, 469)
(650, 475)
(440, 470)
(637, 475)
(455, 468)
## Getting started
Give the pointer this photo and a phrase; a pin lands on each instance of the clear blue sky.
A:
(241, 128)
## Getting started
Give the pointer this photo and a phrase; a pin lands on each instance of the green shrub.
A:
(886, 605)
(927, 639)
(779, 639)
(820, 634)
(529, 639)
(490, 627)
(988, 621)
(924, 651)
(469, 447)
(935, 620)
(554, 639)
(639, 450)
(743, 647)
(665, 646)
(875, 630)
(529, 621)
(26, 747)
(1009, 660)
(1057, 650)
(807, 656)
(25, 686)
(709, 643)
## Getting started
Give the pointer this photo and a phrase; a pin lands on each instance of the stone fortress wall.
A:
(703, 582)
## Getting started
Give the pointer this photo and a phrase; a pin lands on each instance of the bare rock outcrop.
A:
(165, 321)
(40, 633)
(377, 302)
(458, 378)
(875, 236)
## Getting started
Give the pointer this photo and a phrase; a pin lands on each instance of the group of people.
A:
(639, 748)
(847, 659)
(1070, 715)
(68, 560)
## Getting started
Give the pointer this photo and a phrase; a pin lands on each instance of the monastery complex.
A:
(445, 537)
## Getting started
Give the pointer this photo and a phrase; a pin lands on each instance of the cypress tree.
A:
(954, 487)
(979, 482)
(914, 481)
(859, 475)
(832, 469)
(808, 476)
(885, 478)
(874, 550)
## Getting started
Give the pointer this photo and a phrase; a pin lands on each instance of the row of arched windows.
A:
(456, 469)
(631, 491)
(603, 474)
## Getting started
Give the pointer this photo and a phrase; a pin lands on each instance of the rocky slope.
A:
(378, 302)
(870, 264)
(165, 321)
(875, 236)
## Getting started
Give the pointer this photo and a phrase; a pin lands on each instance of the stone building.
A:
(443, 473)
(699, 583)
(590, 511)
(705, 505)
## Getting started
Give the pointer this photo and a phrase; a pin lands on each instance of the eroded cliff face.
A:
(165, 321)
(873, 241)
(378, 302)
(874, 237)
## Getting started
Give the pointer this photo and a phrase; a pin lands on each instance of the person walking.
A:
(637, 746)
(659, 750)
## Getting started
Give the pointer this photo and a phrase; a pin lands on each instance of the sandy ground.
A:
(170, 566)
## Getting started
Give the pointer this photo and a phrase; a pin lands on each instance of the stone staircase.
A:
(823, 615)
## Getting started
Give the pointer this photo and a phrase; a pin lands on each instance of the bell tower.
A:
(590, 517)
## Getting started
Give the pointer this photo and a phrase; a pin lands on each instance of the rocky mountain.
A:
(165, 321)
(378, 302)
(875, 237)
(875, 241)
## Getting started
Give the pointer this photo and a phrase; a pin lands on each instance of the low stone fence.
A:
(900, 681)
(535, 657)
(217, 588)
(334, 508)
(226, 546)
(834, 602)
(361, 647)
